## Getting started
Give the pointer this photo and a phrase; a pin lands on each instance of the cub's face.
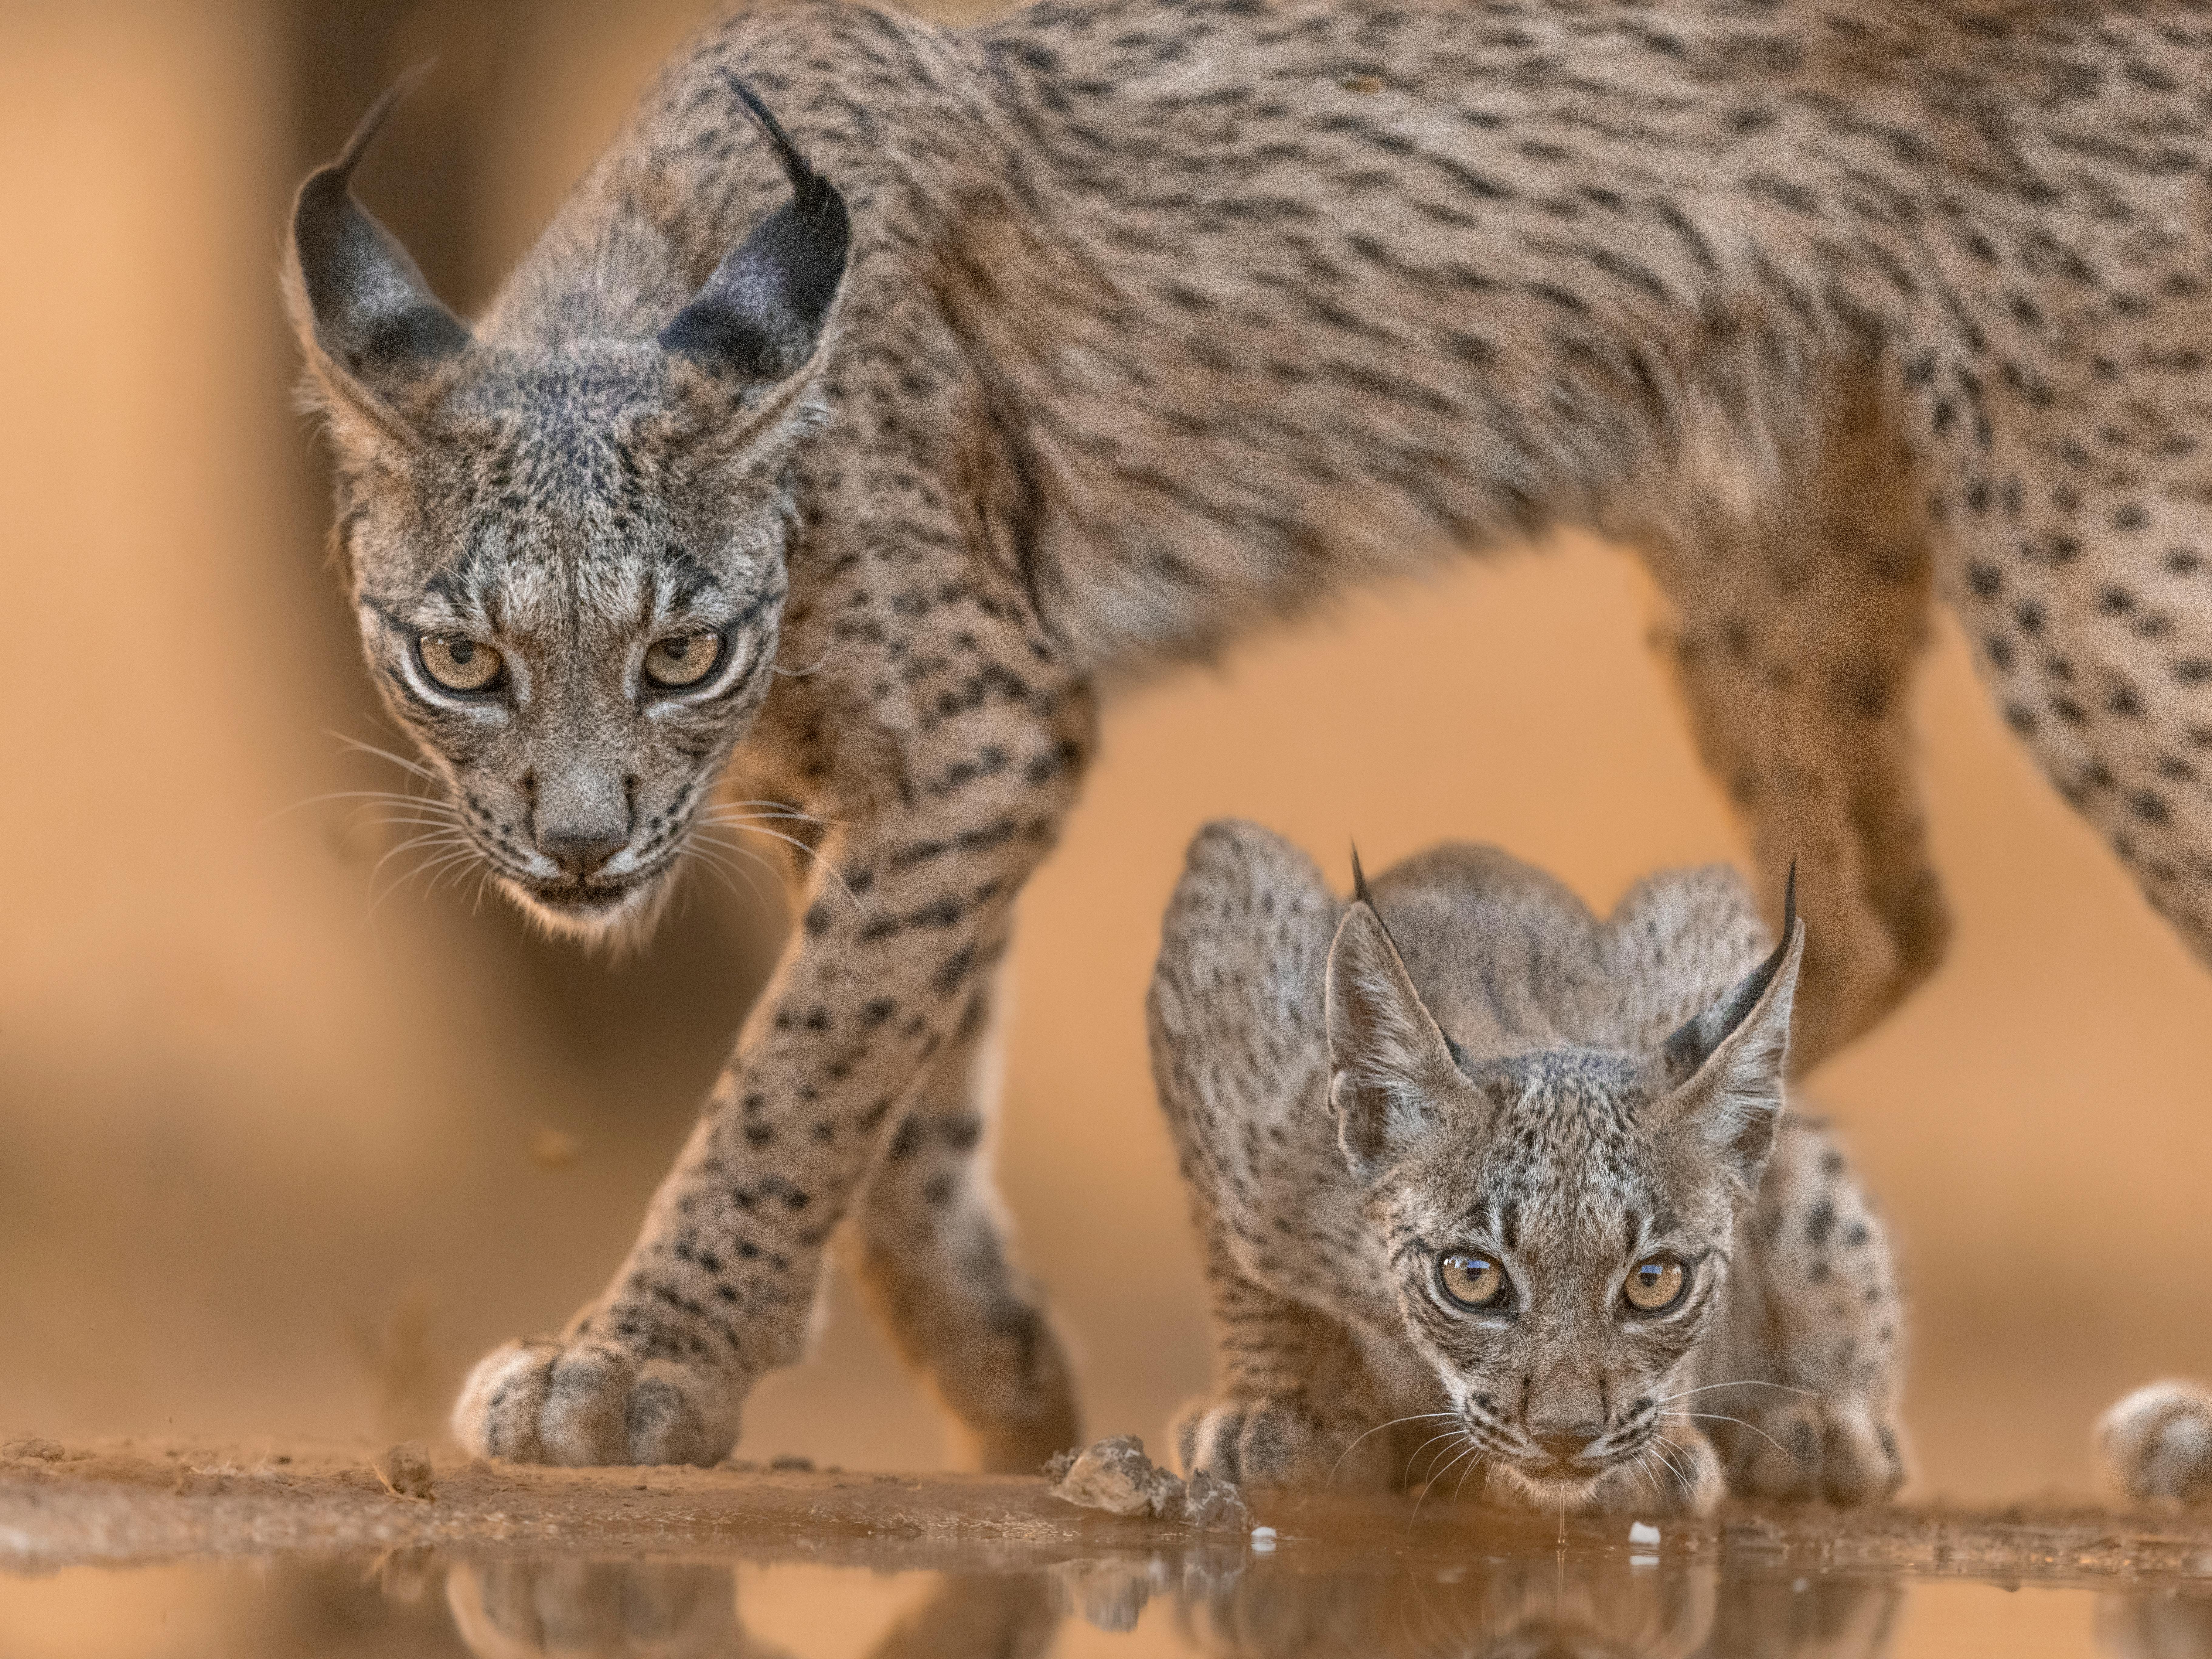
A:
(1557, 1262)
(1558, 1222)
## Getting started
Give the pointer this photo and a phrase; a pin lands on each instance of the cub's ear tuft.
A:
(1389, 1066)
(762, 313)
(368, 320)
(1723, 1069)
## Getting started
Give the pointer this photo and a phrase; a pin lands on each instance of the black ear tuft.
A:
(761, 313)
(369, 308)
(1689, 1047)
(1360, 893)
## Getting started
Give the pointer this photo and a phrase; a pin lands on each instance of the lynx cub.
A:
(1488, 1176)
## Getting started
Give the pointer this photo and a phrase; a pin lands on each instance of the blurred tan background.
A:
(287, 1137)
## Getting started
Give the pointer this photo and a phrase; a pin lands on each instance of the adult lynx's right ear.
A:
(372, 328)
(1389, 1064)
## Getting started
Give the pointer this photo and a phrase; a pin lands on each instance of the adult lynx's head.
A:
(568, 558)
(1559, 1222)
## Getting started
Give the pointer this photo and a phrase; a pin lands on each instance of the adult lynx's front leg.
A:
(900, 937)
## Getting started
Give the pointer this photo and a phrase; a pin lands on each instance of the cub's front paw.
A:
(1815, 1450)
(1280, 1443)
(587, 1401)
(2158, 1441)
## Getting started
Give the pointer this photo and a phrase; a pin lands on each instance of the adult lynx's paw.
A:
(2158, 1441)
(589, 1401)
(1280, 1443)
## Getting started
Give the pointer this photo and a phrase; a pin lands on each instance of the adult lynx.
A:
(1063, 349)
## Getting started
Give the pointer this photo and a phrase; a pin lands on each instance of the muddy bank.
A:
(137, 1501)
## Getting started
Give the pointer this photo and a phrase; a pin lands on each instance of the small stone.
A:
(1640, 1533)
(1212, 1505)
(791, 1463)
(406, 1471)
(1116, 1475)
(1057, 1465)
(741, 1465)
(36, 1447)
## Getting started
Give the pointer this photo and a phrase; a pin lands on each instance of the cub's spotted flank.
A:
(1026, 360)
(1491, 1190)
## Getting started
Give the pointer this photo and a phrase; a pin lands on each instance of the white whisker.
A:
(1416, 1417)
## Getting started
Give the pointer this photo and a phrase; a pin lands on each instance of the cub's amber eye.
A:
(459, 665)
(684, 660)
(1656, 1284)
(1474, 1280)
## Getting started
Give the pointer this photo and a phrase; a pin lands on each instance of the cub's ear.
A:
(1723, 1069)
(762, 313)
(372, 328)
(1389, 1066)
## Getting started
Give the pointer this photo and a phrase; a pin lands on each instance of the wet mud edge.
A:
(124, 1502)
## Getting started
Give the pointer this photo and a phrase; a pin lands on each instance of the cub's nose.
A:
(580, 850)
(1564, 1441)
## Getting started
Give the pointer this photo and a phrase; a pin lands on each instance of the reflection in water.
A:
(1307, 1600)
(1264, 1608)
(2168, 1624)
(524, 1607)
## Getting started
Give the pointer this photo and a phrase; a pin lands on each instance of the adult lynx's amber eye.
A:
(1656, 1284)
(459, 665)
(1473, 1280)
(684, 660)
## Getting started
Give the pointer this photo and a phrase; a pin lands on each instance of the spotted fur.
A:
(1465, 1059)
(1147, 321)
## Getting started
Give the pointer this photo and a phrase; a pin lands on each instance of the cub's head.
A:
(1559, 1222)
(568, 559)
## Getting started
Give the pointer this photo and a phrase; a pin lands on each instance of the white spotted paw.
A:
(2158, 1441)
(589, 1401)
(1281, 1443)
(1815, 1451)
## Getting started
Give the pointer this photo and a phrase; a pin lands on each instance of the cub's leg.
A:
(1800, 1382)
(930, 1241)
(2158, 1441)
(1238, 1057)
(1795, 629)
(1292, 1402)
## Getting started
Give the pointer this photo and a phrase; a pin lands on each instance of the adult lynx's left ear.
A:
(1725, 1066)
(763, 313)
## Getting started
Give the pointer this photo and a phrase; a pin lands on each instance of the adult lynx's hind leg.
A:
(930, 1244)
(1795, 629)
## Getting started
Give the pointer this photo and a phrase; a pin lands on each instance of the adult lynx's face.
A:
(567, 561)
(1559, 1222)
